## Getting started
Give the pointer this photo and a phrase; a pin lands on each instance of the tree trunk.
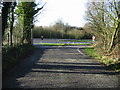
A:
(116, 36)
(12, 22)
(114, 39)
(5, 10)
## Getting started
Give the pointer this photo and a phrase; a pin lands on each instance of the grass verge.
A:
(12, 55)
(63, 44)
(110, 62)
(76, 40)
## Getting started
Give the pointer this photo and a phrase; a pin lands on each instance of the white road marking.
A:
(80, 52)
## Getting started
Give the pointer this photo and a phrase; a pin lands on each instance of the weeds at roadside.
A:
(110, 62)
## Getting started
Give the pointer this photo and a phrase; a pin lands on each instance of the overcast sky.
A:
(69, 11)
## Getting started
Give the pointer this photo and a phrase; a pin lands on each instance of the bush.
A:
(11, 55)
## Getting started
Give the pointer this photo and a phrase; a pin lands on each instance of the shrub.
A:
(11, 55)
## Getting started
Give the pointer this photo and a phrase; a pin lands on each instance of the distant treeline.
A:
(61, 30)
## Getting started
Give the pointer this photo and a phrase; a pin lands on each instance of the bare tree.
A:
(103, 18)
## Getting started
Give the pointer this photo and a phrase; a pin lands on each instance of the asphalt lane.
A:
(61, 67)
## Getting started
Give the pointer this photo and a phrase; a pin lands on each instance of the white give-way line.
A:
(80, 52)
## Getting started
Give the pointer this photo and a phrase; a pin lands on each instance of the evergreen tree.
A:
(26, 12)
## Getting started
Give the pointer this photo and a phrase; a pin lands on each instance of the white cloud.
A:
(70, 11)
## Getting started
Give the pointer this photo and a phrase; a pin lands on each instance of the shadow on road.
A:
(81, 68)
(20, 70)
(36, 64)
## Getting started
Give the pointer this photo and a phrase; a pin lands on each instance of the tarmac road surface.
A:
(61, 67)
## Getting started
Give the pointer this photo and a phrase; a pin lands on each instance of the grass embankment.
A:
(76, 40)
(110, 62)
(12, 55)
(63, 44)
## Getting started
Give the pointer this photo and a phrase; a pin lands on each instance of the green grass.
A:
(52, 44)
(103, 59)
(77, 40)
(91, 51)
(62, 44)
